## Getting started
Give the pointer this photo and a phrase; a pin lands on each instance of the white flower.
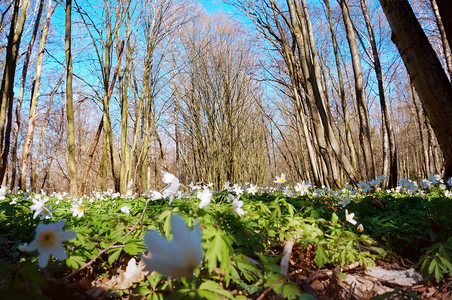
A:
(288, 192)
(23, 247)
(381, 178)
(374, 182)
(447, 193)
(226, 185)
(449, 181)
(125, 209)
(345, 200)
(237, 189)
(77, 209)
(155, 195)
(363, 186)
(303, 187)
(442, 186)
(40, 208)
(48, 241)
(14, 201)
(178, 257)
(205, 196)
(360, 228)
(280, 180)
(237, 206)
(434, 178)
(424, 183)
(252, 189)
(230, 197)
(349, 217)
(3, 192)
(173, 185)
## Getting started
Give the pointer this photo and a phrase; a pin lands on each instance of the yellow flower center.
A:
(48, 239)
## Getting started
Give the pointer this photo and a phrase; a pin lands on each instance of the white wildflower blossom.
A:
(178, 257)
(48, 241)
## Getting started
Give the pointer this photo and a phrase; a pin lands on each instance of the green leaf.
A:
(205, 294)
(75, 261)
(334, 218)
(321, 257)
(446, 263)
(133, 248)
(216, 288)
(291, 291)
(306, 297)
(114, 256)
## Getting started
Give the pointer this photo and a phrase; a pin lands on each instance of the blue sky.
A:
(213, 6)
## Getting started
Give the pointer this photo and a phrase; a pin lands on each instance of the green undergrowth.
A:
(242, 254)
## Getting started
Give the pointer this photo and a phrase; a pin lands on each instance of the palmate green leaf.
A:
(219, 250)
(321, 257)
(446, 263)
(290, 291)
(216, 288)
(75, 261)
(134, 247)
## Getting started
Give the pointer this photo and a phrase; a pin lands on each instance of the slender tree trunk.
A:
(363, 113)
(445, 11)
(21, 95)
(7, 84)
(123, 94)
(424, 143)
(348, 131)
(445, 42)
(37, 169)
(429, 79)
(28, 143)
(69, 108)
(90, 158)
(389, 146)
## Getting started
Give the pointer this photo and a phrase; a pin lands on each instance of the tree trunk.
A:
(389, 146)
(7, 84)
(445, 42)
(445, 11)
(363, 113)
(28, 143)
(69, 108)
(424, 143)
(348, 131)
(424, 68)
(21, 96)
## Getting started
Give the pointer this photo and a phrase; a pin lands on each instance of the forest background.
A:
(107, 94)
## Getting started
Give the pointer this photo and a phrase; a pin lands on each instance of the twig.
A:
(269, 288)
(92, 260)
(285, 260)
(112, 246)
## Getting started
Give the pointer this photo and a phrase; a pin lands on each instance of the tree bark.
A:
(424, 143)
(348, 131)
(424, 68)
(21, 96)
(445, 42)
(389, 146)
(69, 107)
(28, 143)
(7, 84)
(363, 113)
(445, 11)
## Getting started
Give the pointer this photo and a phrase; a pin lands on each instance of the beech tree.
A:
(425, 70)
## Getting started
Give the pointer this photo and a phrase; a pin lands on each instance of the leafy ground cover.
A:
(257, 243)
